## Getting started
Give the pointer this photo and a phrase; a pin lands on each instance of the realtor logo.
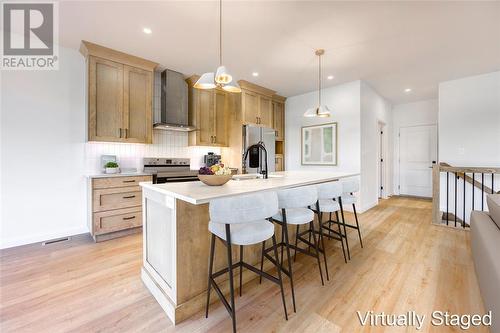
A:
(29, 36)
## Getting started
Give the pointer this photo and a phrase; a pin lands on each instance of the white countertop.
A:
(121, 174)
(199, 193)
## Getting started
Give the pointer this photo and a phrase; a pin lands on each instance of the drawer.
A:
(115, 220)
(112, 182)
(116, 198)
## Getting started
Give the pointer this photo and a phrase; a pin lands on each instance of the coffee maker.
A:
(211, 159)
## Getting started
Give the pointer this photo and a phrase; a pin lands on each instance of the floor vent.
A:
(57, 240)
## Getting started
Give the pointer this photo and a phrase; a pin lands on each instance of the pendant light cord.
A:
(319, 81)
(220, 32)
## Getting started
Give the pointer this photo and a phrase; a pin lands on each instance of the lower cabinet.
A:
(115, 206)
(278, 160)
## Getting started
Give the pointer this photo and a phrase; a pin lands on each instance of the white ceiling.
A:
(390, 45)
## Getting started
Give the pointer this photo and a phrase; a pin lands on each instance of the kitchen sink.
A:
(253, 176)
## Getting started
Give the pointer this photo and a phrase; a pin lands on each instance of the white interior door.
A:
(417, 153)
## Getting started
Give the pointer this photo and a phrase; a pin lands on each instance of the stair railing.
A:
(456, 191)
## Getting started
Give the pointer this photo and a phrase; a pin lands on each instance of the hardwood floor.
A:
(406, 264)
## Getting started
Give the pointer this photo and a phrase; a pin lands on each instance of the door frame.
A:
(383, 169)
(397, 157)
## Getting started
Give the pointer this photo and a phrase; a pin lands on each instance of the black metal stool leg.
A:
(241, 269)
(345, 230)
(320, 225)
(210, 269)
(262, 260)
(330, 224)
(341, 238)
(231, 282)
(282, 240)
(317, 251)
(278, 268)
(357, 225)
(287, 245)
(296, 240)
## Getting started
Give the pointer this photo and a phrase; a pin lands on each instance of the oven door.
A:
(174, 179)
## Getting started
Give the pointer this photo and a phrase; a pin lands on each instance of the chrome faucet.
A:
(260, 145)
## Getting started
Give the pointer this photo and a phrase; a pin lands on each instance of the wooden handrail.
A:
(461, 173)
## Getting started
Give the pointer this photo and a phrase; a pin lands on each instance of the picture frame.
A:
(319, 144)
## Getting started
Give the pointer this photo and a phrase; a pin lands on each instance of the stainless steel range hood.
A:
(174, 103)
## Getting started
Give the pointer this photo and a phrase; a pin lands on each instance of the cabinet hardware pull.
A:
(129, 181)
(119, 132)
(215, 138)
(129, 218)
(129, 197)
(126, 133)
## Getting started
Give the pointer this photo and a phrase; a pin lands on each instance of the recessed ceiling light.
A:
(407, 90)
(255, 74)
(330, 77)
(147, 31)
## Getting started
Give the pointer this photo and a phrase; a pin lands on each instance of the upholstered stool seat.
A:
(296, 216)
(244, 234)
(328, 206)
(348, 199)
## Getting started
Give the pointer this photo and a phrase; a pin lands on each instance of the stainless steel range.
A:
(169, 170)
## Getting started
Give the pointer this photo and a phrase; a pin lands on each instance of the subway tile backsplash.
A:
(165, 144)
(130, 155)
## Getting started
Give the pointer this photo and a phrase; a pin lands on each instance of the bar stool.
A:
(242, 220)
(348, 188)
(293, 204)
(328, 202)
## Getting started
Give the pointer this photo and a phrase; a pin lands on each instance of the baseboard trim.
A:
(14, 242)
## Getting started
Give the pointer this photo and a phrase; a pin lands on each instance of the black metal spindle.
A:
(463, 221)
(473, 188)
(492, 183)
(482, 191)
(456, 178)
(447, 195)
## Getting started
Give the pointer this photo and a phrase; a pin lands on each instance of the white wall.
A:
(469, 121)
(44, 158)
(42, 139)
(406, 115)
(374, 110)
(344, 101)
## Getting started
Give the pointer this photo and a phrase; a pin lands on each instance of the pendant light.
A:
(221, 78)
(320, 110)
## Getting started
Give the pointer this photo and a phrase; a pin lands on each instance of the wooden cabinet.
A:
(137, 105)
(256, 108)
(119, 95)
(278, 159)
(265, 111)
(105, 100)
(208, 113)
(115, 206)
(279, 119)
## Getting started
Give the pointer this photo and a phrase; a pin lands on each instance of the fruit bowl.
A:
(214, 180)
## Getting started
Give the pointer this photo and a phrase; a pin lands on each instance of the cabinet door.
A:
(265, 112)
(278, 163)
(137, 101)
(278, 119)
(250, 107)
(205, 117)
(105, 98)
(220, 131)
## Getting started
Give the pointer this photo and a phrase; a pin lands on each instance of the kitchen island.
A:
(176, 239)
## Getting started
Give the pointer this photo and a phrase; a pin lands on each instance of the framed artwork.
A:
(319, 144)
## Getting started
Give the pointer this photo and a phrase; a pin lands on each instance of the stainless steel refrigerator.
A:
(255, 134)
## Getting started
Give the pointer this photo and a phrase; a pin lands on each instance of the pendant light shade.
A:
(320, 110)
(206, 81)
(221, 78)
(233, 87)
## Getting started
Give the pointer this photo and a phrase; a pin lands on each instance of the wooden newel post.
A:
(436, 212)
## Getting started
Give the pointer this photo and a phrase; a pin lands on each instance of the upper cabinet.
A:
(256, 104)
(119, 95)
(208, 113)
(279, 117)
